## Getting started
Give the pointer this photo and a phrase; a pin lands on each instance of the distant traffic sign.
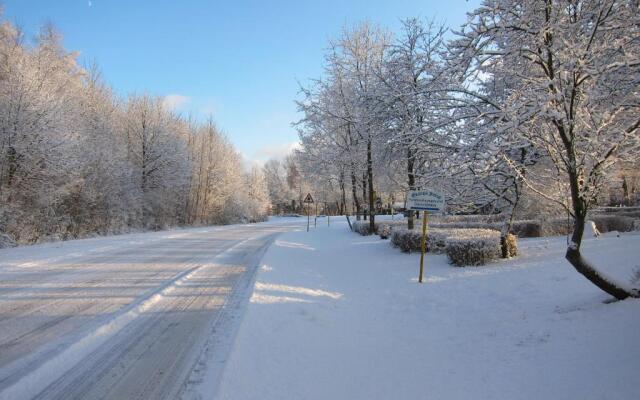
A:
(308, 199)
(425, 200)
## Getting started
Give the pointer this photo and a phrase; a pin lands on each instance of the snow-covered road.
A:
(125, 317)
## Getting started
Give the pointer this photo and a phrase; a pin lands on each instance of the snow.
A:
(337, 315)
(113, 312)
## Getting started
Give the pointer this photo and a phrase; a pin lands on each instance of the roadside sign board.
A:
(425, 200)
(308, 199)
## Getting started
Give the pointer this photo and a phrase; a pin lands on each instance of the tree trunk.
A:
(506, 230)
(354, 191)
(412, 184)
(364, 194)
(343, 197)
(573, 251)
(372, 214)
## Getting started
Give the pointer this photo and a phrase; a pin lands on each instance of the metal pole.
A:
(308, 218)
(326, 205)
(315, 219)
(423, 244)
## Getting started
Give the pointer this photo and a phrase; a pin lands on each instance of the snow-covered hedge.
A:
(521, 228)
(406, 240)
(474, 247)
(385, 228)
(474, 218)
(609, 223)
(362, 227)
(437, 239)
(466, 225)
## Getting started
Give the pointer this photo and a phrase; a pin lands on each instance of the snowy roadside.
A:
(337, 315)
(38, 255)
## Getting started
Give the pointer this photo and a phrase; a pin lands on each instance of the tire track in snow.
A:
(54, 368)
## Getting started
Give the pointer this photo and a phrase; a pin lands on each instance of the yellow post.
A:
(423, 244)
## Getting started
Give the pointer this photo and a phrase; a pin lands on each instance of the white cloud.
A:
(278, 151)
(175, 102)
(267, 152)
(249, 163)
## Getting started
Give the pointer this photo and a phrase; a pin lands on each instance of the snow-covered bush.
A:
(406, 240)
(384, 231)
(361, 227)
(6, 241)
(475, 247)
(437, 239)
(384, 228)
(409, 240)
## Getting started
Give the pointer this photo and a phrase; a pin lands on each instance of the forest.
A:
(76, 160)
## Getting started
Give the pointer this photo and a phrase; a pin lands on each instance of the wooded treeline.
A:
(76, 160)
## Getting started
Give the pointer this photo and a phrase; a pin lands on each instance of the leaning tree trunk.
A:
(575, 258)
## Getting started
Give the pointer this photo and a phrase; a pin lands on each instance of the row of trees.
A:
(527, 100)
(76, 160)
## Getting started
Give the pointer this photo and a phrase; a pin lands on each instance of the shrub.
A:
(6, 241)
(437, 239)
(384, 228)
(476, 247)
(632, 214)
(384, 231)
(362, 227)
(406, 240)
(510, 245)
(617, 210)
(608, 223)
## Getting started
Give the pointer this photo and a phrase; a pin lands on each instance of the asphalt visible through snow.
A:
(120, 318)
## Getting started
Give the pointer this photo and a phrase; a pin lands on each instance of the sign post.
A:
(423, 245)
(308, 201)
(425, 201)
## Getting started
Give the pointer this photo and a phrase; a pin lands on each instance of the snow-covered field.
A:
(334, 315)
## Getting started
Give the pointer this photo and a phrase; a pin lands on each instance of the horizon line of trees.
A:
(76, 160)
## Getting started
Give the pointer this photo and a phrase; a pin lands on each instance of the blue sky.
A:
(240, 61)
